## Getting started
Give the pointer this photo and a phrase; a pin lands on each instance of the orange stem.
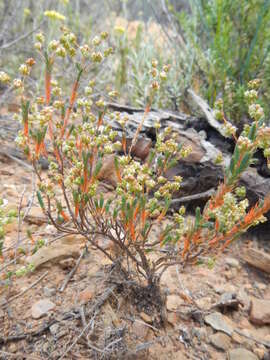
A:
(48, 87)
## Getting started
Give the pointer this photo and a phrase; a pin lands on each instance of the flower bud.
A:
(24, 70)
(154, 63)
(40, 38)
(4, 77)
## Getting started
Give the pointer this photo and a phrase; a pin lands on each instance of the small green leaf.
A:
(198, 217)
(107, 206)
(98, 167)
(40, 200)
(252, 132)
(101, 202)
(244, 163)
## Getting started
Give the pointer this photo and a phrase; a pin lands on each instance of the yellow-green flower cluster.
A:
(54, 15)
(158, 76)
(4, 77)
(231, 211)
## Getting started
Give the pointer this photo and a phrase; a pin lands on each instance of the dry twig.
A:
(72, 272)
(25, 290)
(103, 298)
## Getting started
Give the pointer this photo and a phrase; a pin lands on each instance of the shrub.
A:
(230, 44)
(77, 137)
(133, 66)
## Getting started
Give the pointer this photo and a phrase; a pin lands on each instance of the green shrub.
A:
(77, 137)
(230, 41)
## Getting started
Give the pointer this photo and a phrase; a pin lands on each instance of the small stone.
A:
(54, 329)
(260, 312)
(259, 333)
(147, 318)
(232, 262)
(41, 308)
(86, 295)
(53, 254)
(12, 348)
(261, 286)
(241, 354)
(219, 322)
(230, 274)
(220, 289)
(174, 302)
(67, 264)
(244, 299)
(220, 341)
(204, 303)
(227, 301)
(48, 292)
(142, 148)
(200, 333)
(259, 352)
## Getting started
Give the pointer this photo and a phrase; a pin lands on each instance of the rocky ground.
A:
(219, 309)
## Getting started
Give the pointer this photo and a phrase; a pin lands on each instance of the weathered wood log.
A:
(206, 137)
(199, 170)
(257, 258)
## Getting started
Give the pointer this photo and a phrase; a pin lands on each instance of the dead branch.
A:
(72, 272)
(103, 298)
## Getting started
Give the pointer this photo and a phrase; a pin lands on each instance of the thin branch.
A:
(97, 305)
(19, 222)
(25, 290)
(72, 272)
(22, 37)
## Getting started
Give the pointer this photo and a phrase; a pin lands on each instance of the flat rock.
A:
(257, 258)
(260, 312)
(41, 308)
(36, 216)
(241, 354)
(220, 341)
(232, 262)
(53, 254)
(219, 322)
